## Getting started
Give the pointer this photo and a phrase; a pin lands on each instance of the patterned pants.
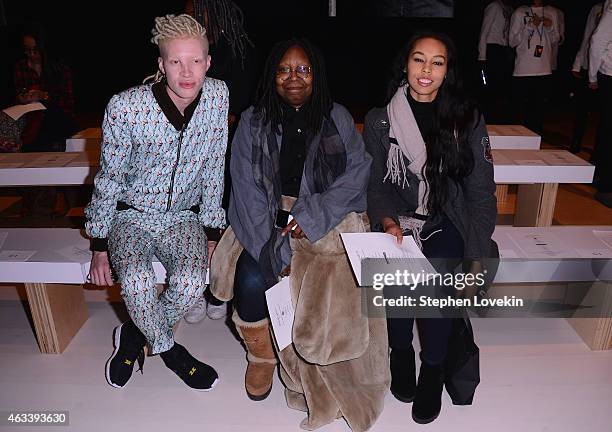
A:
(180, 244)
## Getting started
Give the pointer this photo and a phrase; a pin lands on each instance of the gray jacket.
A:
(472, 207)
(316, 213)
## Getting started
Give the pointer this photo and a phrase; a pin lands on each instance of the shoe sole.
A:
(194, 321)
(116, 341)
(212, 386)
(402, 398)
(258, 398)
(424, 421)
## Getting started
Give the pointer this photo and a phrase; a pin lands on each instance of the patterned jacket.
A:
(158, 161)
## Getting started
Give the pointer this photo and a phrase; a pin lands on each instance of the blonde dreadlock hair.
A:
(174, 27)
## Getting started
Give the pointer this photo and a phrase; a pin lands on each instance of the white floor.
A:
(537, 375)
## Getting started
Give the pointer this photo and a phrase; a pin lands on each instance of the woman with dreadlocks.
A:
(299, 170)
(432, 178)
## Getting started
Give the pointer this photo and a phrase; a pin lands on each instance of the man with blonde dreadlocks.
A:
(160, 182)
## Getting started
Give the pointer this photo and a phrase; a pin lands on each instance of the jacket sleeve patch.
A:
(486, 145)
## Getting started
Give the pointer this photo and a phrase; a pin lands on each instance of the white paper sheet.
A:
(537, 162)
(16, 255)
(3, 236)
(380, 245)
(17, 111)
(507, 253)
(594, 253)
(542, 245)
(604, 236)
(560, 158)
(76, 254)
(281, 312)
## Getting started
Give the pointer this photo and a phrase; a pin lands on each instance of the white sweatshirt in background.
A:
(524, 37)
(561, 31)
(493, 30)
(600, 52)
(582, 56)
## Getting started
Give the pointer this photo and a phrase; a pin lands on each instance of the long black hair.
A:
(449, 154)
(226, 19)
(269, 102)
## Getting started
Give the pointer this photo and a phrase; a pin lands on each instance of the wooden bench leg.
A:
(535, 204)
(58, 311)
(595, 332)
(501, 193)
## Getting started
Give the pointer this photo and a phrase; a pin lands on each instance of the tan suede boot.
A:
(260, 355)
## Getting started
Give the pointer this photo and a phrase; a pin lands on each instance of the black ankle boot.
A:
(428, 398)
(403, 370)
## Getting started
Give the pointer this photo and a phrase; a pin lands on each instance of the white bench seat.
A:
(54, 274)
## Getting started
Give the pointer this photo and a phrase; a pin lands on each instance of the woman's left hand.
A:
(296, 232)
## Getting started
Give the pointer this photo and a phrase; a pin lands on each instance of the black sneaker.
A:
(129, 348)
(197, 375)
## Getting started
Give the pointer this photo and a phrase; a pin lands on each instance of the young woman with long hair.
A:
(432, 177)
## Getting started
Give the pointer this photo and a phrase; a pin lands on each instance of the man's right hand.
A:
(99, 270)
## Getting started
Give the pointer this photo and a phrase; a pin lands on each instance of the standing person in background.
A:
(561, 31)
(497, 59)
(600, 79)
(533, 32)
(584, 97)
(234, 63)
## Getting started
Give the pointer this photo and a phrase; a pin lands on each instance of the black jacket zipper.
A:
(178, 158)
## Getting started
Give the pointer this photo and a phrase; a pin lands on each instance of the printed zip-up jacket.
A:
(156, 160)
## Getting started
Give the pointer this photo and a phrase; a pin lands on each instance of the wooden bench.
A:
(56, 269)
(48, 169)
(538, 174)
(537, 261)
(59, 264)
(85, 140)
(511, 137)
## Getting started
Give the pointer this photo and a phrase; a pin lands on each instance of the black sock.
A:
(167, 355)
(212, 299)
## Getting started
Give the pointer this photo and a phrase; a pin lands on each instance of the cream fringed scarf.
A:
(404, 128)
